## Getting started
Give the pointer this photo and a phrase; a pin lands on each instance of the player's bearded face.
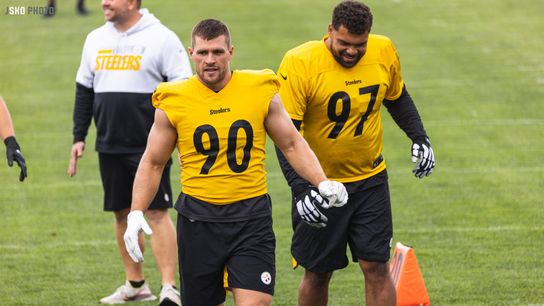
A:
(347, 48)
(212, 61)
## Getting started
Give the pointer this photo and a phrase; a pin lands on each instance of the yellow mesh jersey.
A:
(221, 136)
(340, 107)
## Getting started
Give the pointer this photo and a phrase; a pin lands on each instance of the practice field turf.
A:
(474, 68)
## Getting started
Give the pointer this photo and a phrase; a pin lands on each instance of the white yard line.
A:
(433, 230)
(485, 122)
(95, 243)
(488, 170)
(490, 229)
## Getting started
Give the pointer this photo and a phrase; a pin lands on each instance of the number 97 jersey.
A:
(340, 107)
(221, 135)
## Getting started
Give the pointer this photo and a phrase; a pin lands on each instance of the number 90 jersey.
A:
(340, 107)
(221, 136)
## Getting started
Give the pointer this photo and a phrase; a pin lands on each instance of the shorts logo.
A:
(266, 278)
(166, 197)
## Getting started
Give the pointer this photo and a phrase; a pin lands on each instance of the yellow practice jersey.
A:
(221, 135)
(340, 107)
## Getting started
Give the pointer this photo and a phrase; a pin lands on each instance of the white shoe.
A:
(169, 296)
(128, 293)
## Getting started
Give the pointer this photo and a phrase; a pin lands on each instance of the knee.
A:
(121, 216)
(317, 279)
(245, 297)
(374, 270)
(157, 216)
(258, 302)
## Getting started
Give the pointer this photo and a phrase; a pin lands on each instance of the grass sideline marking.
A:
(500, 228)
(489, 229)
(486, 122)
(58, 244)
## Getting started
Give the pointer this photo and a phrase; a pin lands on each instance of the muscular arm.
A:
(160, 145)
(291, 144)
(297, 183)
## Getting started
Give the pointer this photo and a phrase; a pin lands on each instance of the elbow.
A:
(292, 145)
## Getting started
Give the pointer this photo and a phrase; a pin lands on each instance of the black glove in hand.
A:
(13, 153)
(307, 204)
(423, 156)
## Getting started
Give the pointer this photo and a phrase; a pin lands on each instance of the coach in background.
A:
(122, 63)
(13, 151)
(333, 90)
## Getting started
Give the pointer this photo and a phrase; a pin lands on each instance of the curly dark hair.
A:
(353, 15)
(210, 29)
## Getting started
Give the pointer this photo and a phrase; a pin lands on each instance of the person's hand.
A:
(13, 153)
(423, 156)
(307, 205)
(77, 152)
(334, 192)
(135, 224)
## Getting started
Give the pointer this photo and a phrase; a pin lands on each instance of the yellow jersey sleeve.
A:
(165, 98)
(221, 135)
(391, 57)
(293, 87)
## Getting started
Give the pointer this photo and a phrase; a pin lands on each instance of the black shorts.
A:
(215, 255)
(365, 223)
(118, 171)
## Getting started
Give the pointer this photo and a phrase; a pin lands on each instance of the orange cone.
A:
(407, 277)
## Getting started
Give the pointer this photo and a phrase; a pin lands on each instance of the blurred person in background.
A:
(122, 62)
(52, 8)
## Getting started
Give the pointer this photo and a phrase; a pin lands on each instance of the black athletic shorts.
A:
(118, 171)
(365, 223)
(215, 255)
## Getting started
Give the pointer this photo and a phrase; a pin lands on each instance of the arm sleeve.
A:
(293, 88)
(404, 112)
(83, 111)
(161, 100)
(297, 183)
(85, 72)
(396, 85)
(174, 59)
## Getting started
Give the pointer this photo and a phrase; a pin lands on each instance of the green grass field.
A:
(474, 68)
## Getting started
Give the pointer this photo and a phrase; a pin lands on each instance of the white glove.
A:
(135, 224)
(423, 156)
(307, 208)
(334, 192)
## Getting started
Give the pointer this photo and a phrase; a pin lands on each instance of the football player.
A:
(219, 120)
(333, 90)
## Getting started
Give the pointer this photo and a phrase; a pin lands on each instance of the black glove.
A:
(13, 152)
(308, 203)
(423, 156)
